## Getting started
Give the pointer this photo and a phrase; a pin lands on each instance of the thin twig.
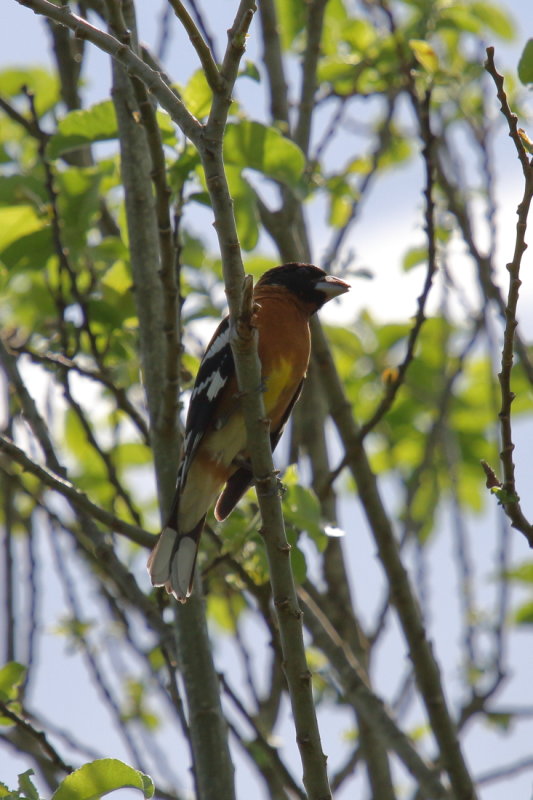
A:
(39, 736)
(394, 385)
(166, 96)
(76, 497)
(59, 361)
(507, 494)
(203, 50)
(367, 703)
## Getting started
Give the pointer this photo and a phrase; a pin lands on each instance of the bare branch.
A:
(203, 51)
(39, 736)
(367, 703)
(402, 595)
(507, 495)
(124, 55)
(76, 497)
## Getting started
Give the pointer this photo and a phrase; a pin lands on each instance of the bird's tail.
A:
(172, 561)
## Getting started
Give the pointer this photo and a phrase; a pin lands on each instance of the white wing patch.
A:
(211, 386)
(215, 385)
(217, 345)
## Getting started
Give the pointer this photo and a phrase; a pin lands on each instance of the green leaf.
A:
(26, 787)
(256, 146)
(19, 188)
(95, 124)
(291, 20)
(414, 257)
(524, 614)
(132, 454)
(197, 95)
(298, 563)
(101, 777)
(301, 509)
(425, 55)
(245, 207)
(225, 610)
(500, 720)
(249, 70)
(118, 277)
(18, 221)
(522, 573)
(494, 18)
(44, 86)
(11, 676)
(460, 18)
(525, 65)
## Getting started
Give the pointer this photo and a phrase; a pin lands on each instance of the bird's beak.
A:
(332, 287)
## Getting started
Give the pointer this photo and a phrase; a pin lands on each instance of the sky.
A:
(391, 295)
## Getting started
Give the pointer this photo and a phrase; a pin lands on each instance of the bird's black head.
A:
(310, 284)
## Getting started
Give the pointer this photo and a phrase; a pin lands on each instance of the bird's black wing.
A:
(243, 478)
(216, 369)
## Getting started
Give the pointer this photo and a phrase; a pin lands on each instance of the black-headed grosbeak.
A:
(214, 453)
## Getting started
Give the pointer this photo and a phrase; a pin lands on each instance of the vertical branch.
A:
(249, 378)
(315, 24)
(213, 766)
(272, 57)
(507, 494)
(426, 668)
(169, 401)
(8, 491)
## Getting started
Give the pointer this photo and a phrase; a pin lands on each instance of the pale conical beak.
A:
(332, 287)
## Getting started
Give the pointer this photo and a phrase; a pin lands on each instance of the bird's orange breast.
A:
(284, 348)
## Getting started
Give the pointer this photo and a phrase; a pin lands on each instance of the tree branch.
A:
(125, 56)
(402, 596)
(506, 493)
(203, 51)
(243, 342)
(364, 700)
(74, 495)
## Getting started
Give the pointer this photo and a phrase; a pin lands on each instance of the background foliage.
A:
(336, 98)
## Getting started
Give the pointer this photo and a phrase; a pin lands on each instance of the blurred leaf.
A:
(18, 221)
(44, 86)
(291, 16)
(118, 278)
(525, 65)
(225, 610)
(414, 257)
(495, 18)
(26, 787)
(24, 189)
(197, 95)
(255, 146)
(524, 614)
(101, 777)
(298, 563)
(183, 167)
(77, 128)
(132, 454)
(459, 17)
(425, 55)
(245, 207)
(11, 676)
(526, 141)
(522, 573)
(499, 720)
(249, 70)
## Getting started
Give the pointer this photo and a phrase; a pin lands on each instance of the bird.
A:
(215, 463)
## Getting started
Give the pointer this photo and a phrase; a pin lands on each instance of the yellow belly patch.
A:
(277, 383)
